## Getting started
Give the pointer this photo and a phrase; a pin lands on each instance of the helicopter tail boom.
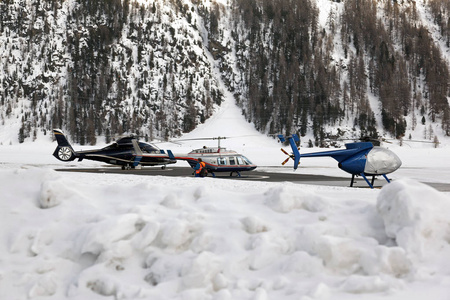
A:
(64, 150)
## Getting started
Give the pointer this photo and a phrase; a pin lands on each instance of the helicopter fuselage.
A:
(125, 156)
(364, 158)
(126, 152)
(358, 159)
(218, 160)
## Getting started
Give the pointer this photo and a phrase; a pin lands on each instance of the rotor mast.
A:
(218, 141)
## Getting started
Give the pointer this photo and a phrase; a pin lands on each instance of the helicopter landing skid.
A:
(367, 181)
(237, 172)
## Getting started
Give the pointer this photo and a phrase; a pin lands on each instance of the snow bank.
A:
(417, 217)
(98, 236)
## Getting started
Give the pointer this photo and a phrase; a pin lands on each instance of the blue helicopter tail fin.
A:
(292, 139)
(171, 156)
(64, 150)
(295, 152)
(281, 138)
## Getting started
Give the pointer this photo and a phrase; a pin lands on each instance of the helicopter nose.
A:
(381, 161)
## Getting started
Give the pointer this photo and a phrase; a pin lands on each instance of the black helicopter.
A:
(127, 152)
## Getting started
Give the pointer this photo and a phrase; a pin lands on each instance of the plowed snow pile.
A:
(98, 236)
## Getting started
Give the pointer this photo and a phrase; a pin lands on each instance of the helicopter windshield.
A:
(246, 160)
(147, 148)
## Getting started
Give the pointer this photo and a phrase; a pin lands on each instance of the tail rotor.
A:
(290, 156)
(64, 150)
(295, 150)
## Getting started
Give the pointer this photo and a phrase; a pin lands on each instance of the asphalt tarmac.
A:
(252, 175)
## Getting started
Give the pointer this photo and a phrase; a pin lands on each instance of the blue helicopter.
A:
(359, 159)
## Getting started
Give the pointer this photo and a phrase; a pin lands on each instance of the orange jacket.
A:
(201, 166)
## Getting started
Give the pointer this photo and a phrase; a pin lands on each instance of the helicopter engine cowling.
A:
(381, 161)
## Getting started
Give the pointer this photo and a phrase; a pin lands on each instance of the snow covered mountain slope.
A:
(160, 68)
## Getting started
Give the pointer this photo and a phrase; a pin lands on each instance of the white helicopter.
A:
(217, 159)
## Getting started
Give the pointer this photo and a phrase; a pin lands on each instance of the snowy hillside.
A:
(103, 68)
(160, 68)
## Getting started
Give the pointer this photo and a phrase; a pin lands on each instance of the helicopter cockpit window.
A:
(239, 160)
(221, 161)
(232, 161)
(147, 148)
(246, 160)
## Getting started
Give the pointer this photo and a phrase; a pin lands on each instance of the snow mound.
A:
(285, 199)
(143, 237)
(54, 191)
(416, 216)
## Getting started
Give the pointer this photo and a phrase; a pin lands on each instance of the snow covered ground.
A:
(102, 236)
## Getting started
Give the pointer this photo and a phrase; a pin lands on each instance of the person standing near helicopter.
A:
(200, 169)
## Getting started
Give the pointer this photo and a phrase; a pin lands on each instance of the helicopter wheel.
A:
(163, 167)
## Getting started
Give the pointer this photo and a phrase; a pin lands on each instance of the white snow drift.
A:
(97, 236)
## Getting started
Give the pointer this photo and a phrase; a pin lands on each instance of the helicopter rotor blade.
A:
(419, 141)
(284, 162)
(284, 151)
(204, 139)
(213, 138)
